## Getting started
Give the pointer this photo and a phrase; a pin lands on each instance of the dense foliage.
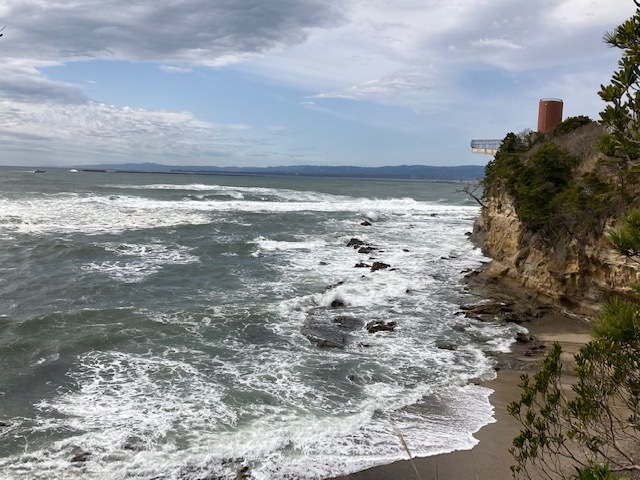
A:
(548, 198)
(622, 94)
(541, 182)
(594, 422)
(570, 124)
(626, 239)
(590, 429)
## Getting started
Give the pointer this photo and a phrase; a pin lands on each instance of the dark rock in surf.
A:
(337, 304)
(446, 346)
(81, 457)
(335, 285)
(244, 473)
(362, 265)
(355, 243)
(134, 444)
(366, 223)
(367, 249)
(348, 323)
(379, 266)
(336, 341)
(380, 326)
(133, 447)
(328, 330)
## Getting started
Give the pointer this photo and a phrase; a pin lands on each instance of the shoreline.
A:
(490, 459)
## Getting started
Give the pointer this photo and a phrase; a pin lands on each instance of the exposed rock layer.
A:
(573, 272)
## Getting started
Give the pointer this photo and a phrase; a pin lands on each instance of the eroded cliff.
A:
(577, 268)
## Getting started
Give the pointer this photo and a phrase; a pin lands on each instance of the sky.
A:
(291, 82)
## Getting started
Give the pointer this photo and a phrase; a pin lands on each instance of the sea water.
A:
(152, 325)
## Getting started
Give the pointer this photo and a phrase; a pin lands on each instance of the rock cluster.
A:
(328, 327)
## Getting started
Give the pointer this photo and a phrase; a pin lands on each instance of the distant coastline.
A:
(462, 173)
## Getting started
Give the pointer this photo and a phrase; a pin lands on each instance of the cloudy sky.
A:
(286, 82)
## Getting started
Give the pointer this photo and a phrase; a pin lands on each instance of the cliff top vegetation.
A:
(572, 184)
(567, 183)
(584, 173)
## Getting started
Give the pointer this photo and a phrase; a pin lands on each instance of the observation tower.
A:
(549, 114)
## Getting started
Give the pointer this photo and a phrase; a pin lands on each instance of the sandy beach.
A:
(490, 458)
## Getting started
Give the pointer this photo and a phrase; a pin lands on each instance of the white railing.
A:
(486, 147)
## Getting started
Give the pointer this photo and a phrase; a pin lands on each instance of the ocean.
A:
(158, 326)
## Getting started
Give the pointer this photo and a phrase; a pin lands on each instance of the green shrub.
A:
(545, 176)
(583, 205)
(570, 124)
(596, 185)
(596, 424)
(548, 198)
(632, 174)
(506, 163)
(600, 471)
(607, 144)
(626, 239)
(619, 321)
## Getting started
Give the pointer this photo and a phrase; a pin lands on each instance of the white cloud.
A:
(186, 32)
(51, 116)
(107, 131)
(356, 59)
(422, 55)
(588, 13)
(397, 82)
(22, 81)
(238, 126)
(173, 69)
(495, 43)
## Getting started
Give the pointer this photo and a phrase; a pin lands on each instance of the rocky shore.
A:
(545, 323)
(550, 271)
(500, 297)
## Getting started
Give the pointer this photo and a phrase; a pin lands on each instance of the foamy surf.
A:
(166, 339)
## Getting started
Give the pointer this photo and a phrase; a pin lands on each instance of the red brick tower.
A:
(549, 114)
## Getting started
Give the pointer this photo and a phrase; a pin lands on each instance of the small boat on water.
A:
(74, 170)
(39, 171)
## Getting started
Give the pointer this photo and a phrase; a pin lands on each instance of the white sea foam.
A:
(146, 415)
(91, 214)
(245, 387)
(266, 245)
(135, 262)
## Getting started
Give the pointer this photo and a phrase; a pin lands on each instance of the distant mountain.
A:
(414, 172)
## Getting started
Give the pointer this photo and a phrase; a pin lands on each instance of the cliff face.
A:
(572, 272)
